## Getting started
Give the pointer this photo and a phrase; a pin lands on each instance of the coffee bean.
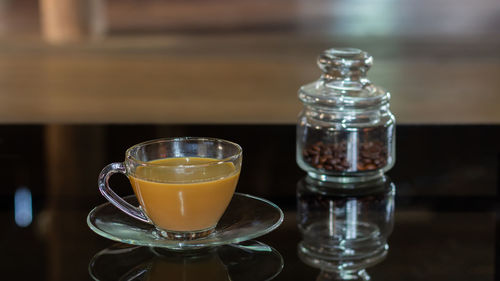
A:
(323, 159)
(333, 161)
(372, 155)
(339, 168)
(314, 152)
(370, 167)
(315, 160)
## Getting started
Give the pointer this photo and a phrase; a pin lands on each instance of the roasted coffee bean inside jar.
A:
(370, 155)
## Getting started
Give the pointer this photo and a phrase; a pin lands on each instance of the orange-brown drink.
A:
(185, 201)
(183, 185)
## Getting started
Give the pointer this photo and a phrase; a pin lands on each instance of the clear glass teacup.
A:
(183, 185)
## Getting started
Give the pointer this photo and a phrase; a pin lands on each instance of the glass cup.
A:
(183, 185)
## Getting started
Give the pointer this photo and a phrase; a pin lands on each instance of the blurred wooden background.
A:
(222, 61)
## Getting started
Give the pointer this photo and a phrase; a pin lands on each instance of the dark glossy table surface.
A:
(446, 203)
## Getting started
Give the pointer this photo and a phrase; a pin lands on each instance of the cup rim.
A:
(128, 152)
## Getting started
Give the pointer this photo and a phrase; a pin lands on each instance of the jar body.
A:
(345, 145)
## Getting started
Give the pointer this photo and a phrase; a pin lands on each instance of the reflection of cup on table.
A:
(222, 263)
(187, 268)
(183, 185)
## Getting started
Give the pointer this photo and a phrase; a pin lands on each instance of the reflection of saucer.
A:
(235, 262)
(246, 217)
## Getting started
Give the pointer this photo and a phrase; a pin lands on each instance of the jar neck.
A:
(343, 94)
(347, 118)
(371, 110)
(355, 78)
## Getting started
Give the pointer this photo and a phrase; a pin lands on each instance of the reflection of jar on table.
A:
(345, 131)
(344, 226)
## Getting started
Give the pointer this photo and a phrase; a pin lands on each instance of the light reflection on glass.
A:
(352, 213)
(23, 208)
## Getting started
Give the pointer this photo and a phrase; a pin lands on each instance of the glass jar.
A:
(345, 131)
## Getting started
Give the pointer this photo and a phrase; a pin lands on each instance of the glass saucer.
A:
(235, 262)
(246, 217)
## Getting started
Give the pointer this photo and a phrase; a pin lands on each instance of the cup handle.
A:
(112, 197)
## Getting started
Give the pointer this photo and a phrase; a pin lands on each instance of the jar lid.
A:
(344, 82)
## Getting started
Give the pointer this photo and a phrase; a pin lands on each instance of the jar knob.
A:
(344, 64)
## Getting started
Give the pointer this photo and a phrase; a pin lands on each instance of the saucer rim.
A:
(192, 245)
